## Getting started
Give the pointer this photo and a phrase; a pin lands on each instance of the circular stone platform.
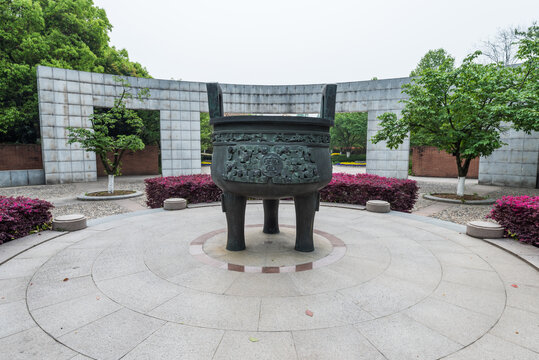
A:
(267, 253)
(131, 288)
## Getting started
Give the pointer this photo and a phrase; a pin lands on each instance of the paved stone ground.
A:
(128, 287)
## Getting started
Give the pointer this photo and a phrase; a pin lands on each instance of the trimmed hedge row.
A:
(19, 216)
(343, 188)
(358, 189)
(193, 188)
(519, 215)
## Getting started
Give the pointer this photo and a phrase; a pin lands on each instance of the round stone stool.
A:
(71, 222)
(378, 206)
(175, 204)
(484, 230)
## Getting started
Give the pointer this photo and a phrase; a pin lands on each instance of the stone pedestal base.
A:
(175, 204)
(484, 230)
(378, 206)
(72, 222)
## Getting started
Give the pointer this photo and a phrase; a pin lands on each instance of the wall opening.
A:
(349, 140)
(142, 162)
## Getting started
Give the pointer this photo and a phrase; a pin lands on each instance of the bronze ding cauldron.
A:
(270, 158)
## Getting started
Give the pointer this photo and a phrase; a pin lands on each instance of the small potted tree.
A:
(103, 137)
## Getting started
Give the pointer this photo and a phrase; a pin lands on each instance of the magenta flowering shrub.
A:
(358, 189)
(193, 188)
(519, 215)
(20, 215)
(343, 188)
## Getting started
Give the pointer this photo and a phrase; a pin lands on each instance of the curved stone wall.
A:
(67, 98)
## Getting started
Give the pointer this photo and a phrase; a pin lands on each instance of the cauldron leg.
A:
(234, 207)
(271, 216)
(306, 206)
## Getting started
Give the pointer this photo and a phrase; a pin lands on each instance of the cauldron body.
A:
(267, 158)
(270, 158)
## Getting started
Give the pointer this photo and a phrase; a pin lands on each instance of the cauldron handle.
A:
(329, 97)
(215, 100)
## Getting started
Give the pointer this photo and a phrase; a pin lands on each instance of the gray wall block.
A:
(514, 164)
(5, 178)
(36, 177)
(19, 177)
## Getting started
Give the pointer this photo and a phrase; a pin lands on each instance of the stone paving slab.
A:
(400, 337)
(174, 340)
(347, 343)
(34, 343)
(405, 288)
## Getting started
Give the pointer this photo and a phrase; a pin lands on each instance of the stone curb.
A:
(83, 197)
(31, 246)
(467, 202)
(501, 243)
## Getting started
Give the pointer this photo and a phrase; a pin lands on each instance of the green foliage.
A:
(464, 110)
(433, 59)
(525, 98)
(70, 34)
(353, 157)
(151, 133)
(104, 138)
(205, 133)
(349, 131)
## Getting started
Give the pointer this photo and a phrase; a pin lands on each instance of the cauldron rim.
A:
(264, 119)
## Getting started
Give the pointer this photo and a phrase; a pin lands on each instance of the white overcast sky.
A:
(302, 41)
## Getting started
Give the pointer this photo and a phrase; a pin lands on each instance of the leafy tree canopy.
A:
(349, 131)
(433, 59)
(463, 110)
(70, 34)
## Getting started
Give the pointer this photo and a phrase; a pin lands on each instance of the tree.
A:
(103, 139)
(525, 98)
(70, 34)
(503, 48)
(205, 133)
(464, 110)
(433, 59)
(349, 131)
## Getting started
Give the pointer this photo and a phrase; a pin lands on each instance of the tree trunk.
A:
(463, 171)
(111, 184)
(348, 154)
(460, 186)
